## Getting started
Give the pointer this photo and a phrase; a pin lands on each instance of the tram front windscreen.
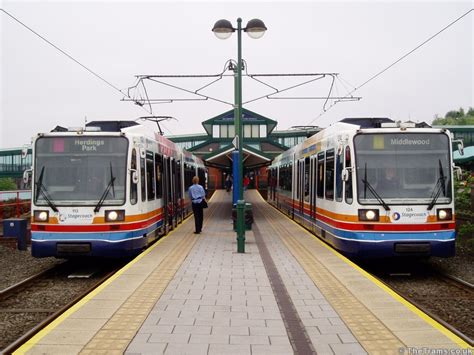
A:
(403, 168)
(80, 170)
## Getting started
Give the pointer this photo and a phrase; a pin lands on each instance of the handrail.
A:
(14, 203)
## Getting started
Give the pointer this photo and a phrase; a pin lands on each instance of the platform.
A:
(289, 293)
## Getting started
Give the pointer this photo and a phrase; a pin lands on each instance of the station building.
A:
(261, 144)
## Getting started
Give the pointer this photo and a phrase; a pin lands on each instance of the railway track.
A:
(30, 305)
(443, 297)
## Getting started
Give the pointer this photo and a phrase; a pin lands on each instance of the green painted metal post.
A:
(240, 227)
(239, 128)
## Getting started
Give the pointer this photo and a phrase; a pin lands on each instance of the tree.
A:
(455, 118)
(7, 184)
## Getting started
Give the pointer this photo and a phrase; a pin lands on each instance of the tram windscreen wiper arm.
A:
(440, 186)
(41, 189)
(112, 178)
(377, 196)
(104, 195)
(371, 189)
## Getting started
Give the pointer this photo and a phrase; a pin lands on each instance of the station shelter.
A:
(261, 143)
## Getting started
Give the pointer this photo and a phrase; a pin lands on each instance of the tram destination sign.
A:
(80, 145)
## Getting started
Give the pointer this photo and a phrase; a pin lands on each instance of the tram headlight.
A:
(115, 216)
(41, 216)
(444, 214)
(369, 215)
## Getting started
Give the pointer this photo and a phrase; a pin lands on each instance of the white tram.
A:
(371, 188)
(107, 190)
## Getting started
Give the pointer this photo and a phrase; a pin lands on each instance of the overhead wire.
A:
(62, 51)
(394, 63)
(75, 60)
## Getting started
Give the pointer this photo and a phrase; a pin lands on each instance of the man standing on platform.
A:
(197, 196)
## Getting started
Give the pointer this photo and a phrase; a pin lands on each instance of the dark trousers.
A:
(198, 217)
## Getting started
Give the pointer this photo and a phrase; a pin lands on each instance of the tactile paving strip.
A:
(118, 332)
(372, 334)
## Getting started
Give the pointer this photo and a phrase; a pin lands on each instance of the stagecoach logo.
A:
(406, 141)
(74, 216)
(409, 215)
(89, 145)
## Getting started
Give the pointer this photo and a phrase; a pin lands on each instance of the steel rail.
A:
(44, 323)
(427, 312)
(465, 285)
(13, 288)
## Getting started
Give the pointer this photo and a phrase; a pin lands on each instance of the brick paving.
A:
(221, 301)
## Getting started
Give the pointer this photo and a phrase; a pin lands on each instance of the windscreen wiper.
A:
(440, 186)
(371, 189)
(112, 180)
(41, 189)
(106, 192)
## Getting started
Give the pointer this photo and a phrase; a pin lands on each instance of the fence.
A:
(14, 203)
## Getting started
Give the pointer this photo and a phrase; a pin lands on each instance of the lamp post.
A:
(223, 29)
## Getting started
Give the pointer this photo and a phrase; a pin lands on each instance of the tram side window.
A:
(143, 178)
(314, 179)
(330, 174)
(285, 177)
(297, 180)
(150, 176)
(178, 179)
(274, 179)
(282, 177)
(306, 179)
(202, 178)
(133, 187)
(269, 178)
(158, 175)
(348, 183)
(188, 176)
(339, 167)
(320, 189)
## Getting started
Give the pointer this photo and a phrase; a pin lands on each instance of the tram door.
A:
(312, 186)
(178, 192)
(166, 193)
(173, 193)
(300, 188)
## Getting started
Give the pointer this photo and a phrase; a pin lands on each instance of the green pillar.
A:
(239, 127)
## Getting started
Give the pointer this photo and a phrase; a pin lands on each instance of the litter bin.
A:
(248, 216)
(16, 228)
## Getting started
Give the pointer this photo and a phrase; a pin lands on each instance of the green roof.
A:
(247, 117)
(467, 157)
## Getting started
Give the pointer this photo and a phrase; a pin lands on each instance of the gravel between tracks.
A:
(16, 265)
(22, 311)
(462, 265)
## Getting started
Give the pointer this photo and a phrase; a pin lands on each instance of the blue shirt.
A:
(196, 193)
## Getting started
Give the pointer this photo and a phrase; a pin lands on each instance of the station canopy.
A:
(215, 147)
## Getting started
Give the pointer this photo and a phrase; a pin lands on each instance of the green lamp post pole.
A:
(223, 29)
(238, 124)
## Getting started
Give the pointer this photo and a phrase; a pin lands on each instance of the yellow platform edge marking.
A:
(387, 289)
(46, 330)
(171, 263)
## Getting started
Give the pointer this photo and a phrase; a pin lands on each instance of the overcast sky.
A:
(42, 88)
